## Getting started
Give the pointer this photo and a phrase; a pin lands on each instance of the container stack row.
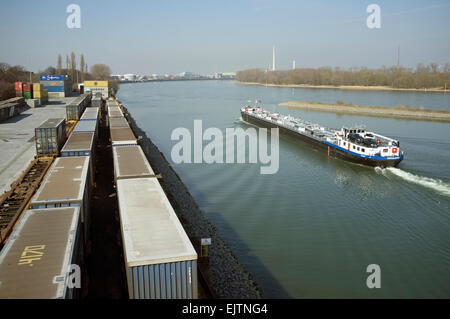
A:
(11, 107)
(160, 261)
(57, 85)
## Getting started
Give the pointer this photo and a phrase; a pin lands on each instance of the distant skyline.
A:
(146, 37)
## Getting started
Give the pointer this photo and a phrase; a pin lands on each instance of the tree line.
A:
(423, 77)
(10, 74)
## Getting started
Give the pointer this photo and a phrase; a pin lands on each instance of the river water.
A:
(311, 229)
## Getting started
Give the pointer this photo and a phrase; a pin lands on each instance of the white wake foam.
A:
(431, 183)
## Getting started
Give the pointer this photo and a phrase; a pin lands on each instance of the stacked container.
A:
(18, 87)
(40, 93)
(50, 137)
(57, 85)
(27, 90)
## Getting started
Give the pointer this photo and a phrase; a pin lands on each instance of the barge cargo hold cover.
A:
(160, 260)
(66, 184)
(36, 259)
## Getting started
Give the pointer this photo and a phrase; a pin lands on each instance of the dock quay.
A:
(110, 184)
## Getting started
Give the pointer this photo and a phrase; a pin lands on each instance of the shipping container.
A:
(130, 162)
(27, 87)
(66, 185)
(114, 111)
(39, 256)
(86, 127)
(56, 95)
(50, 137)
(79, 144)
(160, 261)
(95, 84)
(27, 95)
(122, 136)
(90, 114)
(77, 106)
(18, 86)
(40, 94)
(38, 86)
(53, 83)
(116, 122)
(51, 89)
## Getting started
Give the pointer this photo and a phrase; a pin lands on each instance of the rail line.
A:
(15, 201)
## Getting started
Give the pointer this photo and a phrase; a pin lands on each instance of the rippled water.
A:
(312, 229)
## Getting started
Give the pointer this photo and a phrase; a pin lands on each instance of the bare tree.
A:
(73, 67)
(100, 72)
(67, 64)
(82, 67)
(59, 65)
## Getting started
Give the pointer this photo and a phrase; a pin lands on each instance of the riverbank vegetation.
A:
(10, 74)
(423, 77)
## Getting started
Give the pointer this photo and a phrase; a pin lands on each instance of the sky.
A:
(147, 37)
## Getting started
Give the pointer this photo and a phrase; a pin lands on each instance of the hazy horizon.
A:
(145, 37)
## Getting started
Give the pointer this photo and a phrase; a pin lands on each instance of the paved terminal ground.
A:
(17, 146)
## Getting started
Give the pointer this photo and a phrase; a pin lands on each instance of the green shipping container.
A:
(27, 95)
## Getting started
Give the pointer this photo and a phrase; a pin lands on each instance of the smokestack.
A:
(273, 59)
(293, 65)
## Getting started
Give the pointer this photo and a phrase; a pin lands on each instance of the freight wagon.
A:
(50, 137)
(160, 261)
(36, 261)
(67, 185)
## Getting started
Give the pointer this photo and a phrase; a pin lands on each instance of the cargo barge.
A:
(353, 144)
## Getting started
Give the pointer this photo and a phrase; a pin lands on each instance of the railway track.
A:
(15, 201)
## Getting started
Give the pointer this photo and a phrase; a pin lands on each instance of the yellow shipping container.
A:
(38, 87)
(95, 84)
(39, 94)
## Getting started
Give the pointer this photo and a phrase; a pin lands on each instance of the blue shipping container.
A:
(52, 77)
(54, 88)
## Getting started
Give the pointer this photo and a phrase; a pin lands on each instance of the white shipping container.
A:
(160, 261)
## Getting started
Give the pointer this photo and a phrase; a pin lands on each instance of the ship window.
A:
(363, 150)
(344, 143)
(357, 148)
(354, 147)
(385, 150)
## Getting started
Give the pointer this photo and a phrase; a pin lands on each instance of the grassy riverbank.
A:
(378, 111)
(346, 87)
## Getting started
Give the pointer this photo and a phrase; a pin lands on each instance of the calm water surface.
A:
(310, 230)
